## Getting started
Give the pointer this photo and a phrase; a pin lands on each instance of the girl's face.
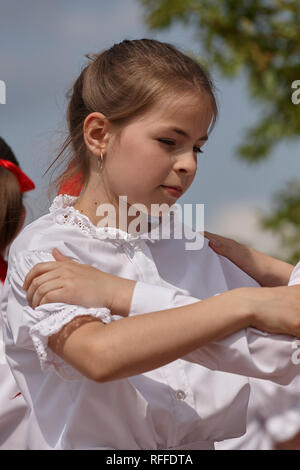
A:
(159, 149)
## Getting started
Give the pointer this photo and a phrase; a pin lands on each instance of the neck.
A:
(93, 197)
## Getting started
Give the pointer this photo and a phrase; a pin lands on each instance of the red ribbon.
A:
(72, 186)
(3, 268)
(26, 184)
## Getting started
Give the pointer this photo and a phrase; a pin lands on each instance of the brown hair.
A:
(124, 82)
(11, 199)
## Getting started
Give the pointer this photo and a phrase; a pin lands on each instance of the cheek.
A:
(129, 174)
(141, 164)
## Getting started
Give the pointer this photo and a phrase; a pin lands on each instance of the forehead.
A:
(192, 110)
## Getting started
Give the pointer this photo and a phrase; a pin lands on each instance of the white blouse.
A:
(182, 405)
(13, 409)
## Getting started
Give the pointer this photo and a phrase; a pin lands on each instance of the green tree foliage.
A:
(260, 38)
(285, 221)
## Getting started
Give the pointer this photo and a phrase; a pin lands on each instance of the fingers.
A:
(224, 245)
(37, 270)
(41, 268)
(45, 293)
(213, 235)
(208, 234)
(38, 281)
(57, 296)
(59, 256)
(214, 240)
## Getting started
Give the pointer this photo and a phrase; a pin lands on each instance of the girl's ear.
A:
(94, 131)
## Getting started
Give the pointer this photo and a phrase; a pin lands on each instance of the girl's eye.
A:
(198, 150)
(166, 141)
(171, 142)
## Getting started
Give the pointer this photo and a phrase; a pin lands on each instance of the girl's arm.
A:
(267, 271)
(137, 344)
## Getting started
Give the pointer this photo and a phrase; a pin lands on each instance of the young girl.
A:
(13, 183)
(96, 373)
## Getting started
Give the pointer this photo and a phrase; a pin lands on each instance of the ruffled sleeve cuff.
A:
(50, 324)
(31, 328)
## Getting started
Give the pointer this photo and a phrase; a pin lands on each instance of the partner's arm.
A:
(266, 270)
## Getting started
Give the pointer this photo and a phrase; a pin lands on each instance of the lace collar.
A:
(64, 212)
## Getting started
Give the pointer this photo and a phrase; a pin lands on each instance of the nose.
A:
(186, 163)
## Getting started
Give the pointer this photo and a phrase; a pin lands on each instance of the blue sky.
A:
(42, 48)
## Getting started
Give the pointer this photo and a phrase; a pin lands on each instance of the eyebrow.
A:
(185, 134)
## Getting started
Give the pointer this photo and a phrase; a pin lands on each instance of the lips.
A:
(175, 191)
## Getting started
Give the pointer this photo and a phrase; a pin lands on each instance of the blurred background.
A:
(248, 175)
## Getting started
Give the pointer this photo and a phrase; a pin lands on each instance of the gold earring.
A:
(98, 163)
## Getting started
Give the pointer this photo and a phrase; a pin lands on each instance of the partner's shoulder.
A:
(235, 277)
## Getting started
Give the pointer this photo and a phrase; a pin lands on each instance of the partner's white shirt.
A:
(13, 409)
(182, 405)
(274, 410)
(273, 416)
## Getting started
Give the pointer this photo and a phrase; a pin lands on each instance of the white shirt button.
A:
(180, 395)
